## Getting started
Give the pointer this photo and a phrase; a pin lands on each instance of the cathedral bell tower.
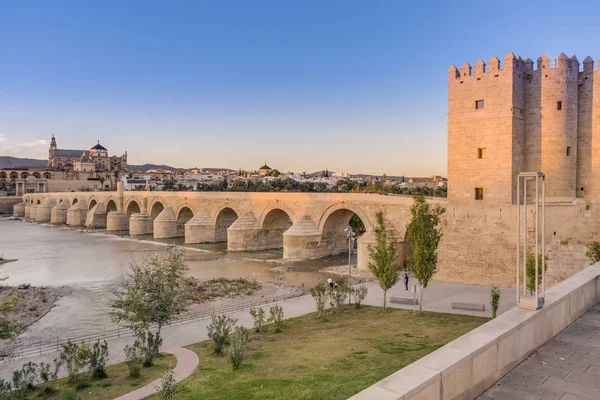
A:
(51, 152)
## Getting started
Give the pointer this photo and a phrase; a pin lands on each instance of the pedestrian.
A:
(330, 282)
(406, 280)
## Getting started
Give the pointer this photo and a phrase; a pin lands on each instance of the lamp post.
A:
(351, 237)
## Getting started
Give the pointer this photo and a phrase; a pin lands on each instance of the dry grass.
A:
(222, 288)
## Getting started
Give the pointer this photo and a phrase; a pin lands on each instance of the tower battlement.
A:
(514, 115)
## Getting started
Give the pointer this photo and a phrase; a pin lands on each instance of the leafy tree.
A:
(423, 234)
(275, 173)
(219, 331)
(337, 297)
(75, 358)
(531, 270)
(593, 252)
(356, 225)
(133, 358)
(168, 386)
(155, 292)
(383, 261)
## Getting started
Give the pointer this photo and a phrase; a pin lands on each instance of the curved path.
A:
(187, 361)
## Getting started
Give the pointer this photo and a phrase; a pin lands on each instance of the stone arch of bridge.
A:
(92, 202)
(225, 217)
(38, 202)
(74, 200)
(133, 207)
(345, 208)
(111, 206)
(156, 208)
(273, 225)
(184, 214)
(269, 209)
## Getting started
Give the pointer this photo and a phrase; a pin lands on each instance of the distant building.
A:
(97, 155)
(264, 170)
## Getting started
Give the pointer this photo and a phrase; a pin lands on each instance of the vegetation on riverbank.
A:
(335, 359)
(222, 288)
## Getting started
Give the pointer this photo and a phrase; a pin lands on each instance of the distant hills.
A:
(15, 162)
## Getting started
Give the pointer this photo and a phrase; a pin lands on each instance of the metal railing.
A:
(33, 348)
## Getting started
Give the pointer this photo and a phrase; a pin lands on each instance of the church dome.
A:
(98, 147)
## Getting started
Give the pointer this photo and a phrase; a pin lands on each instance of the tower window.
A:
(481, 152)
(568, 151)
(478, 104)
(478, 193)
(559, 105)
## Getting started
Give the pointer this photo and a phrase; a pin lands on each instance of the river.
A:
(88, 265)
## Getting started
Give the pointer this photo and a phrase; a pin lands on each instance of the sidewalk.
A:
(437, 298)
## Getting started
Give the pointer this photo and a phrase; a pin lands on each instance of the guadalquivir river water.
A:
(90, 263)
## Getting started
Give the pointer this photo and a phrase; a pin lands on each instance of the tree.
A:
(155, 292)
(423, 234)
(531, 270)
(383, 261)
(593, 252)
(495, 299)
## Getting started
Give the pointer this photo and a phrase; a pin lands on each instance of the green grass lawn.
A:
(117, 383)
(311, 359)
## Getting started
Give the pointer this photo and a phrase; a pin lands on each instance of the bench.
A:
(403, 300)
(468, 306)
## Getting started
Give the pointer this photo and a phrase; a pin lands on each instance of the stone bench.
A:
(403, 300)
(468, 306)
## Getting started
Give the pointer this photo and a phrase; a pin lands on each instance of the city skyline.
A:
(352, 87)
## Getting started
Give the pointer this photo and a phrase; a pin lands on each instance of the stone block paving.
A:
(565, 368)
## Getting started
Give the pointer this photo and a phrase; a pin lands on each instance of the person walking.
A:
(406, 280)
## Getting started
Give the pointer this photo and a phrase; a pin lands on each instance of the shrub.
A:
(531, 270)
(98, 360)
(593, 252)
(237, 350)
(359, 294)
(133, 359)
(219, 331)
(276, 317)
(260, 319)
(168, 386)
(319, 294)
(23, 380)
(495, 299)
(149, 344)
(75, 358)
(47, 374)
(337, 297)
(5, 387)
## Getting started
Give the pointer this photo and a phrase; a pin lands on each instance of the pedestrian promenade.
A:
(565, 368)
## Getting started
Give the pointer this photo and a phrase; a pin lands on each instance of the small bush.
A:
(495, 299)
(134, 359)
(168, 386)
(48, 373)
(69, 394)
(359, 294)
(75, 358)
(276, 317)
(237, 350)
(260, 319)
(150, 345)
(319, 294)
(5, 388)
(531, 284)
(219, 331)
(98, 360)
(337, 297)
(593, 252)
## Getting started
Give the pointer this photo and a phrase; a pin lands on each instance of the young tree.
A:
(531, 270)
(423, 234)
(383, 257)
(155, 292)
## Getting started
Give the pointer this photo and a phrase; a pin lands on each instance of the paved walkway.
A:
(437, 297)
(565, 368)
(187, 361)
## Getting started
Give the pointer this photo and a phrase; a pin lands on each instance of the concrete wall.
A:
(469, 365)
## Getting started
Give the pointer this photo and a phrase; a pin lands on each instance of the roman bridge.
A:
(306, 225)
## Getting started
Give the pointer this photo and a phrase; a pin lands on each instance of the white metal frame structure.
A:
(524, 300)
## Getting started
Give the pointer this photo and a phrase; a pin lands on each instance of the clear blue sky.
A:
(355, 86)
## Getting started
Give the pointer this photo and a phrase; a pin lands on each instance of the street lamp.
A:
(351, 236)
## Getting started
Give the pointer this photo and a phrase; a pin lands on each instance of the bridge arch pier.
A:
(77, 214)
(140, 222)
(248, 234)
(44, 210)
(165, 225)
(200, 229)
(96, 217)
(59, 213)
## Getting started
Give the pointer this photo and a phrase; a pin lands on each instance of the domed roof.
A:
(98, 147)
(265, 167)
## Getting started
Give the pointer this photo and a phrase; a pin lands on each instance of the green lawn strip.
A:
(117, 383)
(335, 359)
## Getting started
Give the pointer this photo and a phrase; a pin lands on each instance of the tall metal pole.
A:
(537, 234)
(544, 237)
(518, 234)
(525, 238)
(349, 268)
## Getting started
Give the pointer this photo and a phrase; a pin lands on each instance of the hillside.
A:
(15, 162)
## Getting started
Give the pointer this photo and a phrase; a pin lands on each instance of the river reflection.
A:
(89, 263)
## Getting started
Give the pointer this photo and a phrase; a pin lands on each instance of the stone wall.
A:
(7, 203)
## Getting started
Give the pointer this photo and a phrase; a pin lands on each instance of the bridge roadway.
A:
(305, 225)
